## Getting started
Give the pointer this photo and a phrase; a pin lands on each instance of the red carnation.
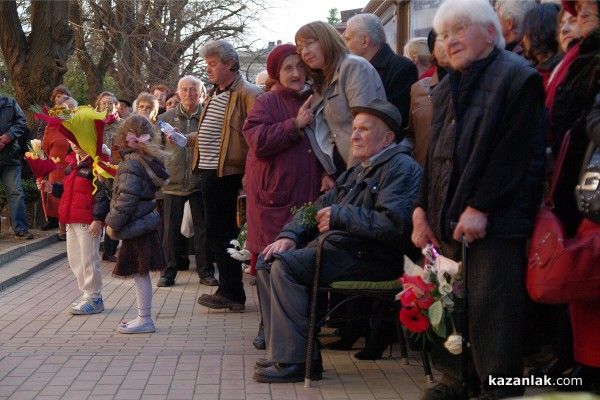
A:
(414, 320)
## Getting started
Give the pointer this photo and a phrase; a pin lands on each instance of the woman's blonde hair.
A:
(139, 125)
(332, 47)
(148, 98)
(418, 47)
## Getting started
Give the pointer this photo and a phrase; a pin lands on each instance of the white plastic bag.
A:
(187, 224)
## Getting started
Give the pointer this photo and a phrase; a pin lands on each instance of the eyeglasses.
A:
(307, 43)
(107, 103)
(459, 32)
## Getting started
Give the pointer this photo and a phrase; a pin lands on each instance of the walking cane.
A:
(465, 321)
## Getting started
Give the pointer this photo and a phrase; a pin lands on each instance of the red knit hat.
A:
(276, 57)
(570, 7)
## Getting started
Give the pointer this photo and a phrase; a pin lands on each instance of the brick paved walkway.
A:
(196, 353)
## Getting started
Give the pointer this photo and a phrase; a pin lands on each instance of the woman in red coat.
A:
(281, 168)
(55, 144)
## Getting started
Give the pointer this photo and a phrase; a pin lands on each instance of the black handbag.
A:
(587, 192)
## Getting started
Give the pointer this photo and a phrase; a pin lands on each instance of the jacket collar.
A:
(196, 114)
(381, 58)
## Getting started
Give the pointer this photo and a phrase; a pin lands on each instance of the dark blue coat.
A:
(12, 123)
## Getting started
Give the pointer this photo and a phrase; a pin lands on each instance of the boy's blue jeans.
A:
(11, 180)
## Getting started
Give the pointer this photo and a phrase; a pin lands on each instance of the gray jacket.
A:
(354, 83)
(179, 161)
(132, 208)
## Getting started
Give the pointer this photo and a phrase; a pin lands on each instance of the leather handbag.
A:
(562, 269)
(587, 192)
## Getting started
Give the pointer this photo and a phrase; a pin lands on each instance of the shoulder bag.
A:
(587, 192)
(561, 269)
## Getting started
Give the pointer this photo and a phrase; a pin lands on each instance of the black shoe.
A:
(209, 281)
(23, 235)
(52, 223)
(106, 257)
(555, 368)
(165, 282)
(217, 302)
(284, 373)
(259, 342)
(443, 391)
(264, 363)
(350, 334)
(377, 341)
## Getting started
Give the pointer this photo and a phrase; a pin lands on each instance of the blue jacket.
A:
(12, 123)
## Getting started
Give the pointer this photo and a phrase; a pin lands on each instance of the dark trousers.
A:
(175, 244)
(496, 292)
(110, 246)
(220, 203)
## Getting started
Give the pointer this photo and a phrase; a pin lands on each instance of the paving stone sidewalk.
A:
(196, 353)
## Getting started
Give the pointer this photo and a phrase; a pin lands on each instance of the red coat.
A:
(77, 203)
(55, 144)
(281, 168)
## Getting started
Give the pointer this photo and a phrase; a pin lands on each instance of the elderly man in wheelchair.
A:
(372, 201)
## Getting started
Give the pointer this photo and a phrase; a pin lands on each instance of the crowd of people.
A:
(453, 141)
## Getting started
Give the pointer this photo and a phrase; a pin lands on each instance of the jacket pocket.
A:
(273, 199)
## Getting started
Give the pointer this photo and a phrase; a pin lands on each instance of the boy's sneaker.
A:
(90, 306)
(23, 235)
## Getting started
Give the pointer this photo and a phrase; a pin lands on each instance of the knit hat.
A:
(276, 57)
(569, 5)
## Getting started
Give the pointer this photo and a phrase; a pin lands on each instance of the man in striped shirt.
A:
(220, 158)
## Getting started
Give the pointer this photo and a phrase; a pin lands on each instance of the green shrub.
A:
(32, 193)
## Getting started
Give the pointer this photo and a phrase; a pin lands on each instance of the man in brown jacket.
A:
(220, 158)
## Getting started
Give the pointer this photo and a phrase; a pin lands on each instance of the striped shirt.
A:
(211, 131)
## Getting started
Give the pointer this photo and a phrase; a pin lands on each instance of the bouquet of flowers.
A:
(431, 299)
(239, 251)
(58, 111)
(308, 214)
(40, 164)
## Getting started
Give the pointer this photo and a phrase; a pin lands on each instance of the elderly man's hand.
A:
(327, 182)
(472, 224)
(323, 218)
(278, 246)
(422, 233)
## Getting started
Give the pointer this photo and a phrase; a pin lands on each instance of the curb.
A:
(30, 262)
(28, 246)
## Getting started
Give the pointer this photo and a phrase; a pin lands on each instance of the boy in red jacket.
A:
(83, 213)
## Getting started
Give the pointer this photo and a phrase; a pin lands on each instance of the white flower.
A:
(445, 288)
(235, 243)
(454, 344)
(241, 255)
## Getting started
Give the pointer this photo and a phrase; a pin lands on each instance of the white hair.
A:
(369, 25)
(478, 12)
(515, 10)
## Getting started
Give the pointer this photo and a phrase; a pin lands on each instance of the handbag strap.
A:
(557, 167)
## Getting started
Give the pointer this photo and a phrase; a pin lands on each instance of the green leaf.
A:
(435, 313)
(440, 329)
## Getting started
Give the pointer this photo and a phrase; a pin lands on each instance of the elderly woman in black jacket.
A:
(482, 183)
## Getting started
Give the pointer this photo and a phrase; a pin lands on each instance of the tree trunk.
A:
(36, 63)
